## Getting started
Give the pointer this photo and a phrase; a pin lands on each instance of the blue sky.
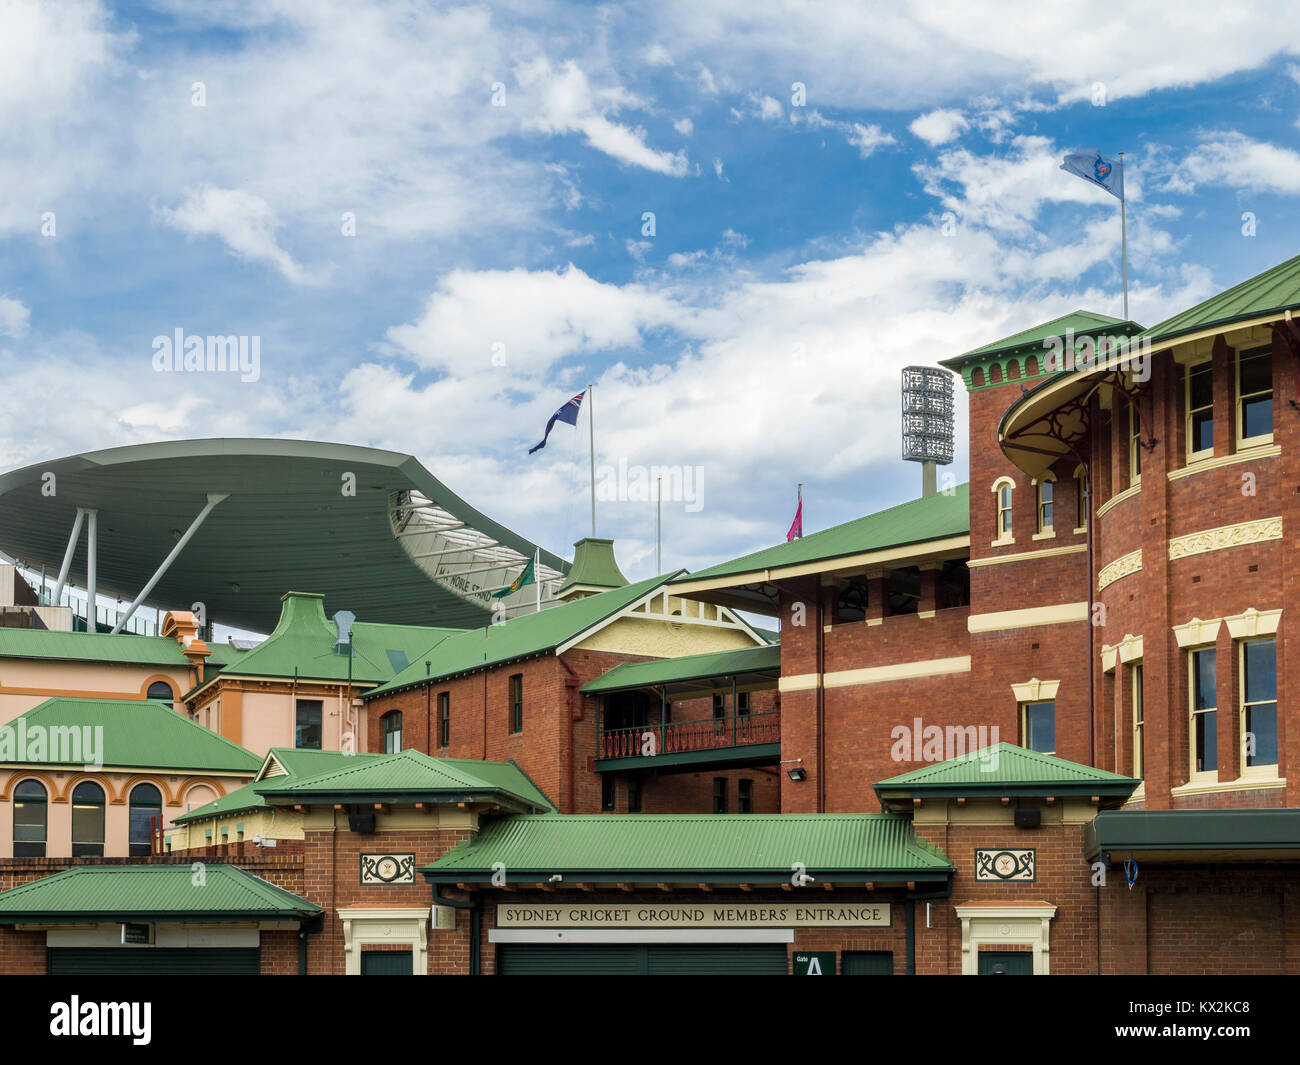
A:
(799, 257)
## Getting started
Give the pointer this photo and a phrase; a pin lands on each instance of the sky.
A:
(738, 220)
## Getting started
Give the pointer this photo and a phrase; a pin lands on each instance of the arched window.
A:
(1031, 366)
(1046, 489)
(977, 377)
(145, 815)
(1003, 488)
(162, 691)
(88, 820)
(29, 820)
(392, 731)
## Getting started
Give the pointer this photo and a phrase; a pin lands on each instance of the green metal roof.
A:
(285, 524)
(655, 846)
(594, 566)
(1082, 323)
(518, 637)
(124, 648)
(1275, 290)
(1193, 830)
(304, 643)
(670, 671)
(409, 777)
(1005, 769)
(152, 893)
(140, 733)
(934, 517)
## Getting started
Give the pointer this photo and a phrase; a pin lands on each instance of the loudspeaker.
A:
(1028, 817)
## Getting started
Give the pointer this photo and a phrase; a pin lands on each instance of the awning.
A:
(1195, 835)
(748, 668)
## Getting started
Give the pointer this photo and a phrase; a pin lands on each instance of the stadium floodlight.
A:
(928, 416)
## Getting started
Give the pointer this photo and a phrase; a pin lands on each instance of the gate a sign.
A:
(814, 963)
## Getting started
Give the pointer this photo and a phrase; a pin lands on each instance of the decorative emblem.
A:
(388, 869)
(1101, 168)
(1000, 865)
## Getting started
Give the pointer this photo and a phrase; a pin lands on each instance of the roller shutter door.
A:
(629, 959)
(155, 961)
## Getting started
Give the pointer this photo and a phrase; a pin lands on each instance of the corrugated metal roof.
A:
(158, 891)
(690, 667)
(932, 517)
(1082, 323)
(667, 843)
(91, 647)
(407, 775)
(518, 637)
(138, 733)
(1003, 765)
(1276, 289)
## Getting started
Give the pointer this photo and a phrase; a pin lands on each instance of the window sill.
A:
(1211, 787)
(1081, 531)
(1004, 542)
(1116, 500)
(1047, 534)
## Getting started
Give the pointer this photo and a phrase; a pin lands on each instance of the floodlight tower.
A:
(927, 421)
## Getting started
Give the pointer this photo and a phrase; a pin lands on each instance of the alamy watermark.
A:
(57, 744)
(179, 353)
(1090, 353)
(919, 742)
(645, 484)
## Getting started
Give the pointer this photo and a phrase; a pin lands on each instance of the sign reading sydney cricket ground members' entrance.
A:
(694, 915)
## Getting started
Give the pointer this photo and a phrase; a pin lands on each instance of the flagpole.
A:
(591, 431)
(537, 575)
(1123, 239)
(659, 525)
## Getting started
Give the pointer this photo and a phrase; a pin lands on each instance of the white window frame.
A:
(1205, 453)
(1263, 439)
(1044, 532)
(1007, 537)
(1258, 772)
(1206, 776)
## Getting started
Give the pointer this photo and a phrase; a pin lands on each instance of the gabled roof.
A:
(747, 662)
(1272, 292)
(409, 777)
(124, 648)
(1005, 769)
(152, 893)
(136, 733)
(652, 847)
(931, 518)
(1081, 323)
(519, 637)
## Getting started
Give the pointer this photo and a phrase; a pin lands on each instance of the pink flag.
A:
(796, 526)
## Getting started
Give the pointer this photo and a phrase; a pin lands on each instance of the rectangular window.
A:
(745, 796)
(719, 795)
(1134, 445)
(1004, 512)
(742, 704)
(517, 702)
(307, 729)
(1200, 410)
(1038, 726)
(1045, 490)
(607, 793)
(1138, 713)
(1204, 709)
(1255, 396)
(719, 706)
(1259, 703)
(444, 719)
(634, 796)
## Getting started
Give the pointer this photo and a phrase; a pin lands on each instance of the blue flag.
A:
(568, 414)
(1092, 166)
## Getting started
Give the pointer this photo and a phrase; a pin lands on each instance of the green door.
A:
(631, 959)
(387, 963)
(154, 961)
(867, 962)
(1002, 963)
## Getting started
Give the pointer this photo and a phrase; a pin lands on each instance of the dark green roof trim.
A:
(632, 675)
(594, 566)
(1274, 291)
(1192, 830)
(1016, 771)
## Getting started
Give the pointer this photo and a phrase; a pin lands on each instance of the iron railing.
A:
(676, 737)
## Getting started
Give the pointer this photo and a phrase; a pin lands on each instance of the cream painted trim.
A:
(984, 924)
(1050, 534)
(925, 549)
(1129, 649)
(731, 621)
(1115, 501)
(1024, 556)
(1109, 656)
(1003, 542)
(1124, 566)
(1027, 617)
(406, 925)
(1238, 535)
(640, 935)
(800, 682)
(1245, 784)
(1252, 623)
(1035, 690)
(933, 667)
(1249, 454)
(1197, 633)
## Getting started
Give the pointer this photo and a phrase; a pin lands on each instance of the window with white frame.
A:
(1255, 396)
(1003, 490)
(1199, 421)
(1258, 711)
(1134, 444)
(1139, 721)
(1204, 706)
(1046, 491)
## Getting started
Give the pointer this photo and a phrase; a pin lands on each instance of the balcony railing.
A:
(676, 737)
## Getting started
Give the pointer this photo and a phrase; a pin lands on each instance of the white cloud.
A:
(243, 221)
(769, 109)
(657, 56)
(940, 126)
(867, 138)
(1238, 161)
(684, 126)
(15, 319)
(717, 169)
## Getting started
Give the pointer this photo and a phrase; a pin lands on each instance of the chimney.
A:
(594, 570)
(181, 625)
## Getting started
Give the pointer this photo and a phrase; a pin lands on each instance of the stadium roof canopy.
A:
(263, 517)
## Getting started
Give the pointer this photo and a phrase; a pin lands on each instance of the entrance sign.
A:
(694, 915)
(814, 963)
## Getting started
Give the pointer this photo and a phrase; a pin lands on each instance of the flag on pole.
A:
(567, 414)
(1092, 166)
(527, 575)
(796, 526)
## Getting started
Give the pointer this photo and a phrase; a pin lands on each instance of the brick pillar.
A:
(877, 590)
(1222, 362)
(1286, 433)
(929, 590)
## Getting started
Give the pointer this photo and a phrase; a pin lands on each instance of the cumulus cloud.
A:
(15, 319)
(939, 126)
(1233, 159)
(867, 138)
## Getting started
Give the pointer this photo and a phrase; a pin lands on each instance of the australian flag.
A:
(568, 413)
(1092, 166)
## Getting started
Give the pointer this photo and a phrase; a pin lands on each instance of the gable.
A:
(662, 625)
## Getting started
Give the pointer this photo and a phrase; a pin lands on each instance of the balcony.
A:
(733, 741)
